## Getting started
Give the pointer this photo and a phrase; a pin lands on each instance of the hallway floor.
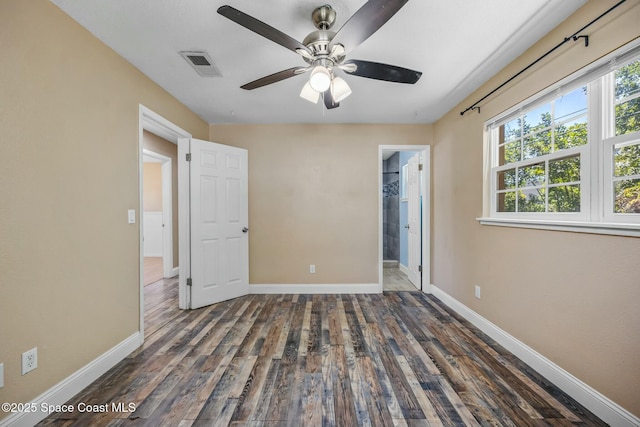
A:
(395, 280)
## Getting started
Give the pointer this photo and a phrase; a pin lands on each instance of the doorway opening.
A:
(153, 126)
(159, 209)
(403, 212)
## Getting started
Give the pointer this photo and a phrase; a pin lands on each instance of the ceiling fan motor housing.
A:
(318, 42)
(323, 17)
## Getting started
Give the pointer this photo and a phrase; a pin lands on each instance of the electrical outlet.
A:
(29, 360)
(1, 375)
(312, 268)
(477, 291)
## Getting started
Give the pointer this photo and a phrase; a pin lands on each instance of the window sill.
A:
(615, 229)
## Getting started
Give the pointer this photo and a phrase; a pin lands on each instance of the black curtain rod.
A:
(574, 37)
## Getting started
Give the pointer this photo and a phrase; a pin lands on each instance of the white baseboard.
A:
(349, 288)
(174, 272)
(73, 384)
(606, 409)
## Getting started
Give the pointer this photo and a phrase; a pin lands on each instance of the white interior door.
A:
(217, 257)
(413, 208)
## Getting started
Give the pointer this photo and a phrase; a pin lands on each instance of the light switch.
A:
(132, 216)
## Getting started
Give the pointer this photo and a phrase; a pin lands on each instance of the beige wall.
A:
(71, 269)
(152, 186)
(68, 174)
(573, 297)
(168, 149)
(313, 198)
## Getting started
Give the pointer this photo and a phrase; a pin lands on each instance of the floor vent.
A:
(202, 63)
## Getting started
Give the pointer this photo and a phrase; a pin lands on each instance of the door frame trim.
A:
(425, 191)
(156, 124)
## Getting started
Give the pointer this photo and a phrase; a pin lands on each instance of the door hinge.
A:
(420, 167)
(420, 268)
(188, 157)
(189, 281)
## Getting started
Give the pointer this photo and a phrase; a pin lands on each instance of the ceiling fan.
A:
(325, 50)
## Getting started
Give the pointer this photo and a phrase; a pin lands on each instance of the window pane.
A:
(571, 134)
(626, 160)
(570, 105)
(564, 170)
(507, 202)
(509, 153)
(530, 176)
(627, 196)
(531, 200)
(537, 145)
(564, 199)
(507, 179)
(628, 85)
(628, 80)
(537, 119)
(511, 130)
(628, 117)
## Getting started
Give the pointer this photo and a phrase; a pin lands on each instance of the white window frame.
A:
(596, 157)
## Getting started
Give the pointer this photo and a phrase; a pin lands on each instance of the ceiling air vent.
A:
(202, 63)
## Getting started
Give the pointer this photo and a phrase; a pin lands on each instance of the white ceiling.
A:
(457, 44)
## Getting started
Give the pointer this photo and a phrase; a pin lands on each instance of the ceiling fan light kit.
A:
(309, 93)
(339, 89)
(324, 50)
(320, 78)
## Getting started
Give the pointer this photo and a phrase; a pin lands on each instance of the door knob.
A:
(406, 226)
(245, 229)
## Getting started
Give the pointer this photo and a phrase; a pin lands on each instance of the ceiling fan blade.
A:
(274, 78)
(261, 28)
(378, 71)
(366, 21)
(328, 100)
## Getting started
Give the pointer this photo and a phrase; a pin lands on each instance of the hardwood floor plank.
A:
(222, 401)
(358, 385)
(355, 330)
(327, 366)
(392, 359)
(382, 379)
(252, 390)
(312, 400)
(162, 392)
(343, 399)
(303, 348)
(333, 322)
(425, 404)
(281, 394)
(264, 398)
(376, 403)
(401, 388)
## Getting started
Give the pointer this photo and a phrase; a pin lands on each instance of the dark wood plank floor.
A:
(396, 359)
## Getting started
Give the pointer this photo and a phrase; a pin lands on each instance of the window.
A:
(622, 147)
(572, 153)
